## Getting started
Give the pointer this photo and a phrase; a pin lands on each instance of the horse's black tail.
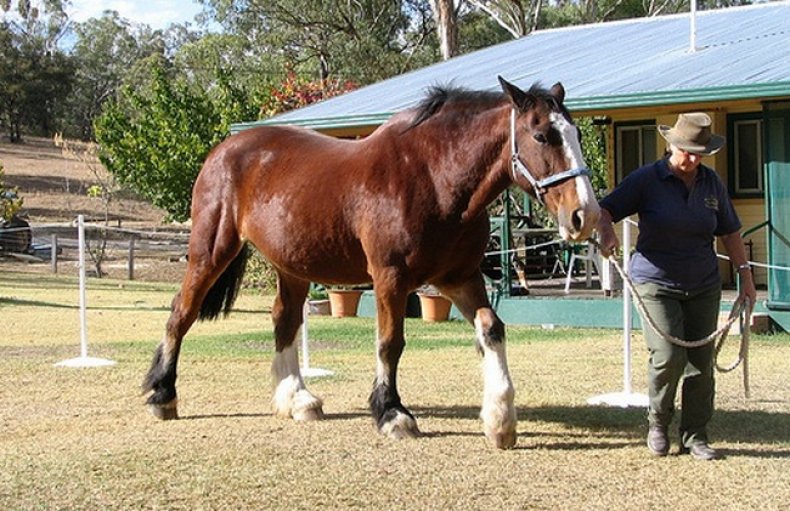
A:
(223, 293)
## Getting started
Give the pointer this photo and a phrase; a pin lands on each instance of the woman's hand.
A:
(733, 243)
(607, 239)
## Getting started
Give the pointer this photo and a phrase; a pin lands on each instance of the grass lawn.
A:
(82, 439)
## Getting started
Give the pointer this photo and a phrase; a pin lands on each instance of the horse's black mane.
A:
(438, 96)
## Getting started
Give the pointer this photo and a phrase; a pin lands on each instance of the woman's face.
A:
(685, 161)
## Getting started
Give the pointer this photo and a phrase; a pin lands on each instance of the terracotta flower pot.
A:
(435, 307)
(344, 302)
(318, 307)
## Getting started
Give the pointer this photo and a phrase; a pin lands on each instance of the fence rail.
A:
(107, 244)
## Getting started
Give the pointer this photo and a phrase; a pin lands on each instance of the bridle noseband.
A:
(540, 186)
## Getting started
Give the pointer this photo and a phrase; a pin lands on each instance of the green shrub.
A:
(10, 203)
(259, 273)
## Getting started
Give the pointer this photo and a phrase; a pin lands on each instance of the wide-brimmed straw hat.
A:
(691, 133)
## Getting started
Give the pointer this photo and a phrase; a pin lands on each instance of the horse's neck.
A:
(485, 174)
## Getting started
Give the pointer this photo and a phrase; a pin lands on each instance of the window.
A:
(746, 154)
(635, 145)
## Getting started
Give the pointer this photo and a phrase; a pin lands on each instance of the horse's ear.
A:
(558, 91)
(516, 95)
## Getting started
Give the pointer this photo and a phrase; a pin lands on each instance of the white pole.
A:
(83, 301)
(693, 27)
(305, 336)
(308, 371)
(83, 360)
(627, 397)
(626, 310)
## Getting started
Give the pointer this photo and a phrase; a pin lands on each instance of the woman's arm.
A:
(733, 243)
(607, 237)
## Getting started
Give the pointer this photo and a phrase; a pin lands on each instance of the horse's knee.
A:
(490, 331)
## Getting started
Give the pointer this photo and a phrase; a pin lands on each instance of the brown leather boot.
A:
(700, 450)
(658, 440)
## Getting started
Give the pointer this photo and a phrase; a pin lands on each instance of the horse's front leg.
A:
(392, 418)
(291, 397)
(498, 412)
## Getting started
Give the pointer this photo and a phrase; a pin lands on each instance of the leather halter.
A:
(539, 186)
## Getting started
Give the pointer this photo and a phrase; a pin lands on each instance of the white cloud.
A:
(156, 13)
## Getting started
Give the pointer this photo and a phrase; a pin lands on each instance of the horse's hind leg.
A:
(498, 412)
(291, 398)
(213, 270)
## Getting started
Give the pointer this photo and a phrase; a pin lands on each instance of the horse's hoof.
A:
(502, 439)
(308, 414)
(400, 426)
(306, 407)
(165, 412)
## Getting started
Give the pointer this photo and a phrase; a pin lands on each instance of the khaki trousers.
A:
(689, 316)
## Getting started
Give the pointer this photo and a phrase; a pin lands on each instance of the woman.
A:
(682, 205)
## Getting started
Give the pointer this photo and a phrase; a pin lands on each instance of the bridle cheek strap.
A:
(539, 186)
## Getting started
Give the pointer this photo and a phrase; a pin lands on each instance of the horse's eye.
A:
(540, 138)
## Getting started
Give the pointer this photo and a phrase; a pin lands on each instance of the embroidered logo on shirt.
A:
(712, 203)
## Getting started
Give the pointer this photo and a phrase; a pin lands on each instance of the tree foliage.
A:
(364, 41)
(154, 139)
(105, 49)
(295, 92)
(35, 75)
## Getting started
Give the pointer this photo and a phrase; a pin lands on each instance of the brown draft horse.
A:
(400, 208)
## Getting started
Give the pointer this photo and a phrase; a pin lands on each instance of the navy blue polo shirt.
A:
(677, 226)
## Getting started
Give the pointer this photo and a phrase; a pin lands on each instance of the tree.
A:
(363, 41)
(154, 139)
(518, 17)
(104, 190)
(445, 15)
(104, 53)
(295, 92)
(35, 76)
(44, 20)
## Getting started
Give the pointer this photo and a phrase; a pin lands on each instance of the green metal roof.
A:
(741, 52)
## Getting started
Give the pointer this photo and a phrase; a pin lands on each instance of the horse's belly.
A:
(318, 255)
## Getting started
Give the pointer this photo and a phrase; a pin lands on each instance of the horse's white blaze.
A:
(573, 152)
(570, 140)
(498, 412)
(291, 398)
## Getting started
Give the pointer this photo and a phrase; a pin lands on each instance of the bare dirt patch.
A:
(54, 189)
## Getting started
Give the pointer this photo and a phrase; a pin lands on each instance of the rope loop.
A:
(741, 310)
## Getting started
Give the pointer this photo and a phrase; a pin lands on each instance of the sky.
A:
(156, 13)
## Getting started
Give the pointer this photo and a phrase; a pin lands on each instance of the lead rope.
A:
(741, 309)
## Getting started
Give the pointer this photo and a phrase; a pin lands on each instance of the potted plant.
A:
(343, 301)
(434, 306)
(318, 300)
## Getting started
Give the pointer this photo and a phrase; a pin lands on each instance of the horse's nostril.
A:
(577, 220)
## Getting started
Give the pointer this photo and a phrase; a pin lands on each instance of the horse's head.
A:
(547, 158)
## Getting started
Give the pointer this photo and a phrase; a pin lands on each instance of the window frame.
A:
(636, 125)
(734, 171)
